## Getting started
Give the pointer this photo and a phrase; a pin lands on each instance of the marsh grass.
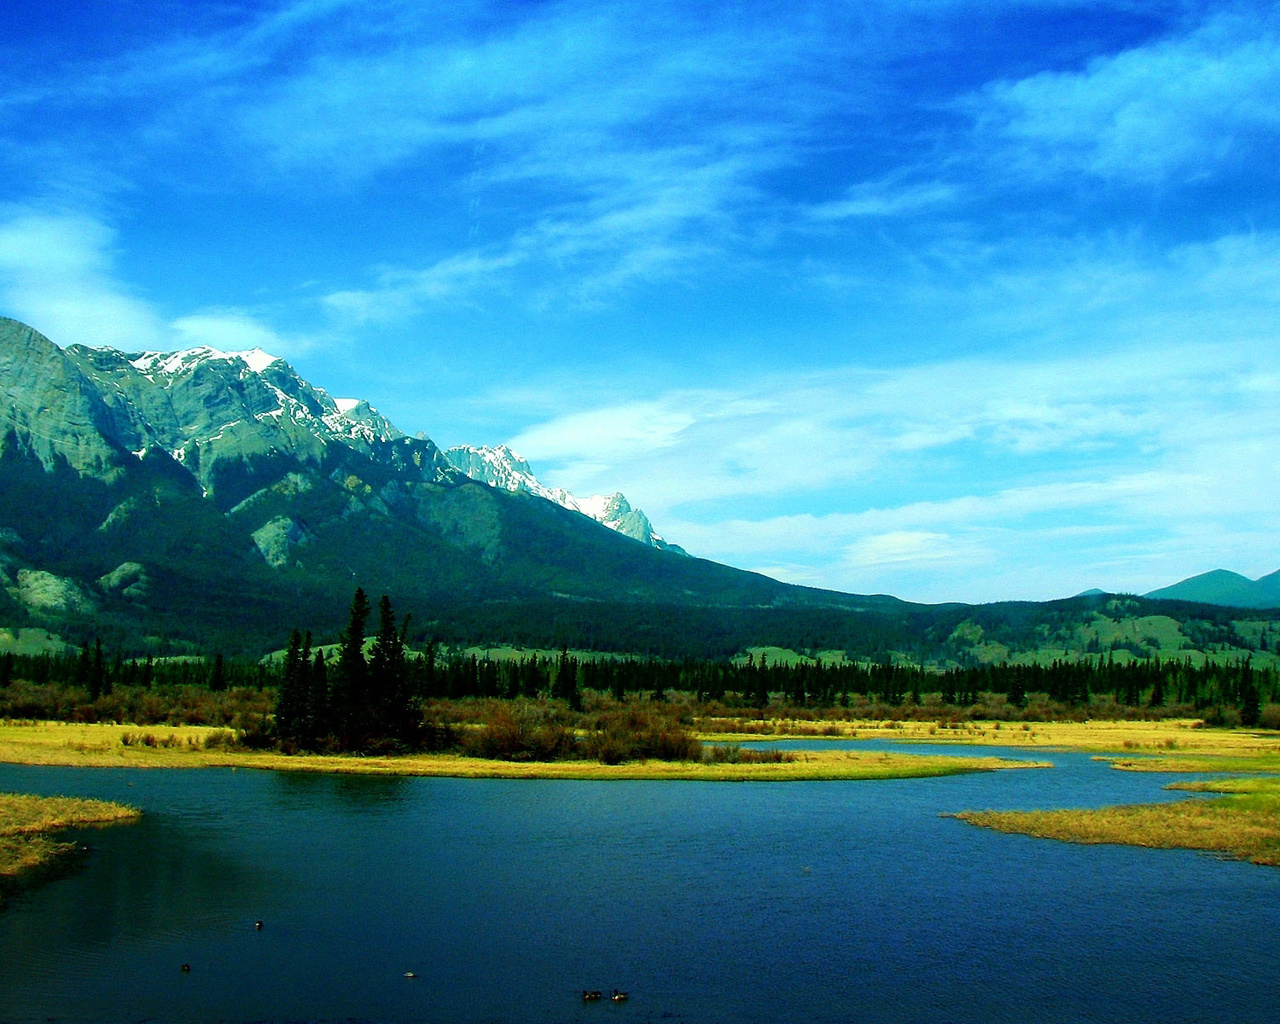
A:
(99, 745)
(1244, 824)
(27, 821)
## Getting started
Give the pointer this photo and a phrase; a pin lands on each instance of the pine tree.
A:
(351, 687)
(388, 690)
(318, 703)
(292, 700)
(97, 673)
(218, 678)
(1250, 703)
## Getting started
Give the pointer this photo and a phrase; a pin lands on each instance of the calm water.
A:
(769, 902)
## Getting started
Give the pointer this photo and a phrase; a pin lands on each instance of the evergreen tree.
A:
(388, 689)
(218, 678)
(97, 673)
(291, 702)
(318, 714)
(1017, 691)
(351, 709)
(84, 667)
(1250, 703)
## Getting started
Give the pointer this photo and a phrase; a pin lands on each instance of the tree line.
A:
(371, 691)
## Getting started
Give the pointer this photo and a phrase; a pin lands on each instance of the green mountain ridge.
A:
(178, 502)
(1223, 587)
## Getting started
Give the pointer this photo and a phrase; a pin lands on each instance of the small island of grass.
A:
(103, 745)
(26, 824)
(1244, 823)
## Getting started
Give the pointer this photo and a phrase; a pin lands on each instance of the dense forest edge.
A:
(382, 693)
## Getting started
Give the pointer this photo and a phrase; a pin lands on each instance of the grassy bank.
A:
(1243, 824)
(58, 743)
(26, 824)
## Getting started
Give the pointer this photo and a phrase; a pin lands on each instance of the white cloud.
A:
(234, 331)
(637, 428)
(885, 199)
(1096, 469)
(56, 275)
(1182, 105)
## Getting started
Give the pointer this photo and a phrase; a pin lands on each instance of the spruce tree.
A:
(319, 722)
(97, 673)
(388, 689)
(292, 699)
(218, 678)
(351, 708)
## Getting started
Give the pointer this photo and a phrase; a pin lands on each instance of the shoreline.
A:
(28, 824)
(102, 746)
(1244, 821)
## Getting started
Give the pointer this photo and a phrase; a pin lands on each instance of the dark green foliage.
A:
(218, 677)
(351, 710)
(391, 710)
(1250, 703)
(292, 711)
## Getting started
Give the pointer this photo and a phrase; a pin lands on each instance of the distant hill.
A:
(213, 497)
(1223, 587)
(174, 502)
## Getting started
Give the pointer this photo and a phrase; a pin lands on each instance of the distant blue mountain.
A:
(1220, 586)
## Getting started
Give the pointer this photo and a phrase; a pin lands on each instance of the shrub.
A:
(520, 731)
(1269, 717)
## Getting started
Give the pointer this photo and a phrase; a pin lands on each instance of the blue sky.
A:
(950, 300)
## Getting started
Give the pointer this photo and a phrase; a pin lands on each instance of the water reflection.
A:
(769, 902)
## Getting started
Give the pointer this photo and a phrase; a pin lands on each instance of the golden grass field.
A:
(1244, 824)
(60, 743)
(27, 821)
(1159, 739)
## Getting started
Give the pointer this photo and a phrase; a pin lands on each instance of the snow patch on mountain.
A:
(171, 364)
(499, 466)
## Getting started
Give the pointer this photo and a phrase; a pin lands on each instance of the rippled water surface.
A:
(804, 902)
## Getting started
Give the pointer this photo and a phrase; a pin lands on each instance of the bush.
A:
(1269, 718)
(520, 731)
(731, 753)
(638, 731)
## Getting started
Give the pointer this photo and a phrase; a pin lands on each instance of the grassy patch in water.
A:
(103, 745)
(1244, 823)
(26, 824)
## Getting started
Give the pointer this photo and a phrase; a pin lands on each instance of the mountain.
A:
(1222, 587)
(210, 496)
(208, 499)
(499, 466)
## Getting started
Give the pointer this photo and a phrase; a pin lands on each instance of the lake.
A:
(708, 902)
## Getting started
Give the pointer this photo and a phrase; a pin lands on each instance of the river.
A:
(708, 902)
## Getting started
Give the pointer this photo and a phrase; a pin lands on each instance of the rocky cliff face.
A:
(499, 466)
(225, 415)
(183, 493)
(49, 409)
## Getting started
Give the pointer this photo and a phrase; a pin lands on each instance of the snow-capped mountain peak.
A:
(500, 466)
(172, 364)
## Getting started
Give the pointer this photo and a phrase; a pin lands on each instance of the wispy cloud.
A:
(885, 199)
(1180, 106)
(234, 330)
(1137, 451)
(56, 273)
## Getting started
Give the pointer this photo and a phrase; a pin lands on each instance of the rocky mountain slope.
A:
(499, 466)
(207, 493)
(173, 502)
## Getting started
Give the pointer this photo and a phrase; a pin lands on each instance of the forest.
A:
(378, 693)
